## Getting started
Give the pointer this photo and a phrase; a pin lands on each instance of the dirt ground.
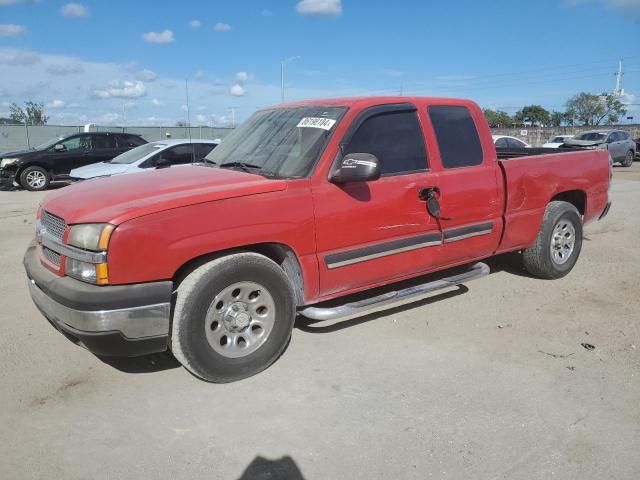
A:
(489, 382)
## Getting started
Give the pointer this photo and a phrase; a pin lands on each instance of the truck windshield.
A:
(283, 142)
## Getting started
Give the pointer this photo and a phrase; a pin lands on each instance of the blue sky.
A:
(116, 61)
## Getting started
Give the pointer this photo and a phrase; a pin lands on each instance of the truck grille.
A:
(54, 226)
(51, 256)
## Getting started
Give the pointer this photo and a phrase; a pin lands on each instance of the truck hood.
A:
(100, 169)
(124, 197)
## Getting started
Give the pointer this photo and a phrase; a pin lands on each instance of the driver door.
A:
(76, 150)
(371, 232)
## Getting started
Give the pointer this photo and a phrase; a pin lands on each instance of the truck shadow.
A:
(156, 362)
(284, 468)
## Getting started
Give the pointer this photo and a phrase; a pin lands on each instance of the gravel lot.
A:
(491, 382)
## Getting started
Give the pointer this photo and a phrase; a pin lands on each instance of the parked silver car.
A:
(619, 143)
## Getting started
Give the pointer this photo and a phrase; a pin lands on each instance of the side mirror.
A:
(162, 163)
(59, 147)
(356, 167)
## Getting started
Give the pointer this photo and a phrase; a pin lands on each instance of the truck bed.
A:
(506, 153)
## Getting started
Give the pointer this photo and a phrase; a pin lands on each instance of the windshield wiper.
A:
(247, 167)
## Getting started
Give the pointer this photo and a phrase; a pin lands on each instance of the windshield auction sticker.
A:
(315, 122)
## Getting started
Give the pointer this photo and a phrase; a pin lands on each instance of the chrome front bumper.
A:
(133, 323)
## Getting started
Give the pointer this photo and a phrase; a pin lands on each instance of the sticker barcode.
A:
(316, 122)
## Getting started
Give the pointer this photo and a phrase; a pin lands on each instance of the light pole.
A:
(282, 65)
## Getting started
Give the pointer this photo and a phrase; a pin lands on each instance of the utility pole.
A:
(233, 116)
(283, 63)
(619, 91)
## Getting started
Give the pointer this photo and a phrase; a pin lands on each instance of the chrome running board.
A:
(395, 298)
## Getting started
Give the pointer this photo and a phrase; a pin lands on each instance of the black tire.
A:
(195, 297)
(35, 179)
(538, 259)
(628, 159)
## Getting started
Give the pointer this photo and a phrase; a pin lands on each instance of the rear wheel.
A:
(233, 317)
(628, 159)
(558, 244)
(35, 179)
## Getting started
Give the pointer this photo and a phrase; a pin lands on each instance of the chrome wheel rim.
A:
(36, 179)
(563, 241)
(240, 319)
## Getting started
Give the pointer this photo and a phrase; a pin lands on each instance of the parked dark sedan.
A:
(35, 169)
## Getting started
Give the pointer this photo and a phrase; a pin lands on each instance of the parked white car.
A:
(505, 141)
(555, 142)
(165, 153)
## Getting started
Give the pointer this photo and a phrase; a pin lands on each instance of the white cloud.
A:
(126, 89)
(11, 30)
(390, 72)
(110, 117)
(166, 36)
(632, 7)
(74, 10)
(237, 90)
(18, 57)
(202, 108)
(242, 77)
(320, 7)
(201, 118)
(147, 75)
(56, 104)
(222, 27)
(6, 3)
(195, 24)
(156, 103)
(184, 108)
(64, 68)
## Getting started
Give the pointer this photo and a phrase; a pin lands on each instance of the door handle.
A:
(425, 193)
(430, 195)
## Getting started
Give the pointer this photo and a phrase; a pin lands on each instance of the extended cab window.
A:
(457, 136)
(395, 138)
(128, 141)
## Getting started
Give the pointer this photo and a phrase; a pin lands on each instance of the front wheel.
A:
(558, 244)
(35, 179)
(628, 159)
(233, 317)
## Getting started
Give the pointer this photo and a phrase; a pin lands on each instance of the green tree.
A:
(556, 118)
(6, 121)
(536, 114)
(497, 118)
(181, 123)
(590, 109)
(31, 114)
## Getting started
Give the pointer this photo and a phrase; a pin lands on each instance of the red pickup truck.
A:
(298, 209)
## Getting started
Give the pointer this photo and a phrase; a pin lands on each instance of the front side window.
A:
(283, 142)
(458, 139)
(395, 138)
(128, 141)
(501, 143)
(79, 142)
(178, 155)
(138, 153)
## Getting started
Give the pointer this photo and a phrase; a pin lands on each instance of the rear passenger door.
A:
(104, 148)
(467, 179)
(615, 146)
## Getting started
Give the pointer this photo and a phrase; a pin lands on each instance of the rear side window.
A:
(457, 136)
(623, 135)
(129, 141)
(501, 143)
(395, 138)
(104, 141)
(203, 149)
(514, 143)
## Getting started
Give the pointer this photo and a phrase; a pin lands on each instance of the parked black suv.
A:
(35, 169)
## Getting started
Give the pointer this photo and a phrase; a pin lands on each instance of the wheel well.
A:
(575, 197)
(280, 253)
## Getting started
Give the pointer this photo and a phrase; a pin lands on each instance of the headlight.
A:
(87, 272)
(90, 236)
(7, 161)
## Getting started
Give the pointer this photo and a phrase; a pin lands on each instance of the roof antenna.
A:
(186, 89)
